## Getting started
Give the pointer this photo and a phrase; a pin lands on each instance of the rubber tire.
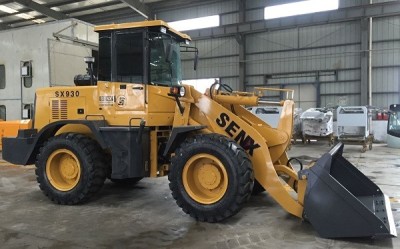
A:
(237, 165)
(92, 162)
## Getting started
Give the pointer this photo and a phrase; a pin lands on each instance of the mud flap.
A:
(341, 202)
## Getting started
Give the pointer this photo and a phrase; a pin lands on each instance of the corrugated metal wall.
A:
(332, 51)
(218, 59)
(386, 61)
(205, 10)
(298, 58)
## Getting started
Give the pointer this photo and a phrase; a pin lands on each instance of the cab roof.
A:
(143, 24)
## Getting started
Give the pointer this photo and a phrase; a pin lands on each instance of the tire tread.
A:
(95, 169)
(244, 171)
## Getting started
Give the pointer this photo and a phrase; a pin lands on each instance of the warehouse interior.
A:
(338, 61)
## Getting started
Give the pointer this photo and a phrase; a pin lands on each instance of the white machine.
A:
(354, 126)
(317, 124)
(268, 114)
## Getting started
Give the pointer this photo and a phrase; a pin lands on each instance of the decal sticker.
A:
(238, 134)
(106, 100)
(121, 100)
(66, 94)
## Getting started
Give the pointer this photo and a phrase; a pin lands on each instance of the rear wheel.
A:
(211, 177)
(70, 168)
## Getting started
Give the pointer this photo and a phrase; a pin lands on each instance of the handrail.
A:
(289, 92)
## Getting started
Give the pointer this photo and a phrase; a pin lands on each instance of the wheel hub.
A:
(63, 170)
(205, 178)
(69, 168)
(209, 176)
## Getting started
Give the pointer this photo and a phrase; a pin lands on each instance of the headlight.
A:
(182, 91)
(179, 91)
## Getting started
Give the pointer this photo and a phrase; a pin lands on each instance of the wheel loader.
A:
(134, 119)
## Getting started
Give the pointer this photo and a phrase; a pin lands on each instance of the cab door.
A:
(122, 62)
(130, 69)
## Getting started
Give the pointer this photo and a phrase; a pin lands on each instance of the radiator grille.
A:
(64, 109)
(59, 109)
(55, 109)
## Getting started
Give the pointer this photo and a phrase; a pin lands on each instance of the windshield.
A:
(394, 122)
(165, 60)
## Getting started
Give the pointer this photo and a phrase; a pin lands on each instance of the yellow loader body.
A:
(10, 128)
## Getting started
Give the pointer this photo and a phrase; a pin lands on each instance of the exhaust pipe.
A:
(341, 202)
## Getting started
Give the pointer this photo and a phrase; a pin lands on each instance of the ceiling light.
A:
(39, 21)
(195, 23)
(24, 16)
(7, 9)
(55, 8)
(300, 8)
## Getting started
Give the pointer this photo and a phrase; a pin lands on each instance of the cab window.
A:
(129, 55)
(104, 70)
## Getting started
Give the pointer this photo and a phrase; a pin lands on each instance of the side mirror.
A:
(187, 49)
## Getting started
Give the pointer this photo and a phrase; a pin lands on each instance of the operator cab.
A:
(145, 52)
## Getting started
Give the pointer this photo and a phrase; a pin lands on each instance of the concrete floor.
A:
(146, 215)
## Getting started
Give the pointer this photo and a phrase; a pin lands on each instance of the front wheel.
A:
(70, 168)
(211, 177)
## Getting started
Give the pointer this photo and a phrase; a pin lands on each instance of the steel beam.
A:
(241, 39)
(159, 6)
(106, 16)
(42, 9)
(92, 45)
(106, 4)
(49, 5)
(140, 8)
(364, 89)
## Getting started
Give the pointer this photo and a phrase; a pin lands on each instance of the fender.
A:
(177, 135)
(24, 148)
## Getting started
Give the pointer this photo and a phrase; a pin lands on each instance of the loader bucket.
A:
(341, 202)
